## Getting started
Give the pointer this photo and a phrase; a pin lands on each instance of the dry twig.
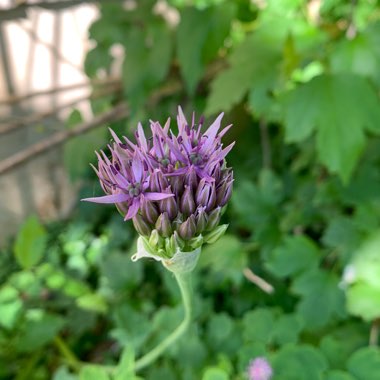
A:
(258, 281)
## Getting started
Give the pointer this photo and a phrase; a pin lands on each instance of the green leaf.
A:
(287, 329)
(338, 375)
(62, 373)
(363, 291)
(252, 65)
(92, 372)
(10, 306)
(297, 254)
(147, 60)
(226, 256)
(319, 287)
(363, 300)
(302, 362)
(93, 302)
(200, 35)
(39, 329)
(364, 364)
(340, 126)
(126, 366)
(30, 244)
(215, 373)
(258, 326)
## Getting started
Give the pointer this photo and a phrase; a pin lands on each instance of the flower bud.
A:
(187, 202)
(192, 179)
(224, 190)
(201, 220)
(157, 182)
(155, 239)
(169, 205)
(179, 243)
(196, 242)
(214, 235)
(214, 218)
(177, 184)
(206, 195)
(141, 226)
(187, 229)
(163, 225)
(149, 211)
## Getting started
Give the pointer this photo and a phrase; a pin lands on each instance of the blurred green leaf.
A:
(338, 375)
(196, 46)
(318, 287)
(62, 373)
(298, 253)
(94, 302)
(215, 373)
(258, 326)
(364, 364)
(30, 243)
(302, 362)
(125, 367)
(39, 329)
(92, 372)
(287, 329)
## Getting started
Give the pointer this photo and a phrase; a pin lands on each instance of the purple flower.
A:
(172, 186)
(128, 183)
(259, 369)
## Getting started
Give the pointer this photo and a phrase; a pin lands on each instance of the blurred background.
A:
(300, 82)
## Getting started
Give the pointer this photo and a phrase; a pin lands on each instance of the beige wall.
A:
(45, 50)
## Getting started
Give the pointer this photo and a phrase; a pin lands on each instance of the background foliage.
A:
(300, 82)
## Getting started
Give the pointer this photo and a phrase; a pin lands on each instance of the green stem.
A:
(184, 282)
(65, 351)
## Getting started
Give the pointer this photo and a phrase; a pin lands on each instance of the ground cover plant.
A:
(293, 284)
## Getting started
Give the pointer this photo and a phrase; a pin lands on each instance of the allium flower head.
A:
(259, 369)
(173, 186)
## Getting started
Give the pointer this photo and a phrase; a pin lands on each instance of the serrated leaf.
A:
(30, 243)
(297, 254)
(364, 364)
(321, 288)
(302, 362)
(252, 65)
(340, 126)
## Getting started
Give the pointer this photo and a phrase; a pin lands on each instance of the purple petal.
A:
(113, 198)
(157, 196)
(115, 137)
(133, 209)
(181, 119)
(137, 167)
(212, 131)
(142, 137)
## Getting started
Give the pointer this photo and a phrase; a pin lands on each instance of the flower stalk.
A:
(184, 283)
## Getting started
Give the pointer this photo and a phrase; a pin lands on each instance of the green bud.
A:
(196, 242)
(155, 239)
(179, 243)
(214, 219)
(141, 225)
(214, 235)
(163, 225)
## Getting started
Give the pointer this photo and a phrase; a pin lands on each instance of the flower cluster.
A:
(173, 187)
